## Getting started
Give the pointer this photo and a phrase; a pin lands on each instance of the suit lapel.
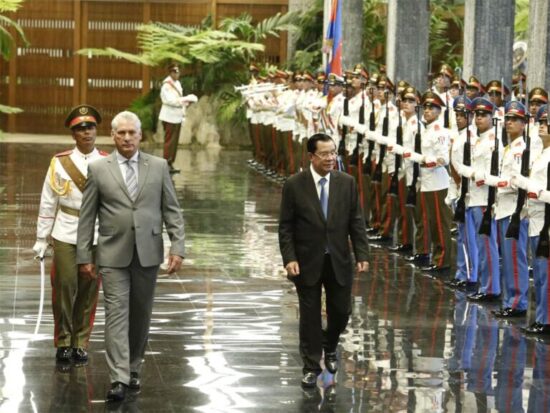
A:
(143, 172)
(311, 189)
(114, 168)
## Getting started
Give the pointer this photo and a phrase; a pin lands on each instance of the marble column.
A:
(407, 42)
(352, 33)
(488, 39)
(539, 45)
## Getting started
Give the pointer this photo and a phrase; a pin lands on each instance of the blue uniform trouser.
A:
(515, 271)
(540, 278)
(484, 252)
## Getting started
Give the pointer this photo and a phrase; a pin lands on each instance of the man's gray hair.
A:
(125, 115)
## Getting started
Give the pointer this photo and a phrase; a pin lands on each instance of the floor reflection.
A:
(224, 329)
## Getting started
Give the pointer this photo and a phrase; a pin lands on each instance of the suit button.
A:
(134, 209)
(132, 228)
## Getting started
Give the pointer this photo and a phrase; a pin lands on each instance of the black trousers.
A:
(313, 340)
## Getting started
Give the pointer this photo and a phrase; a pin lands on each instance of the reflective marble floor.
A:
(224, 330)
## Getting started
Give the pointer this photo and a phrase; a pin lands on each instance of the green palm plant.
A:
(214, 60)
(7, 40)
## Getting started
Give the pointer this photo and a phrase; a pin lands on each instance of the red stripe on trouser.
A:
(389, 211)
(404, 223)
(290, 153)
(489, 263)
(515, 272)
(54, 295)
(377, 202)
(439, 230)
(425, 222)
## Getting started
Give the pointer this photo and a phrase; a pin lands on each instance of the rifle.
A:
(446, 114)
(504, 133)
(372, 127)
(460, 210)
(543, 247)
(377, 177)
(342, 145)
(485, 227)
(411, 194)
(394, 184)
(513, 227)
(355, 156)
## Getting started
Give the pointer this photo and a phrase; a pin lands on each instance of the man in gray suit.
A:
(320, 213)
(132, 195)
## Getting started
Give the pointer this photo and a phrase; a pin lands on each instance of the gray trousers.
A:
(128, 293)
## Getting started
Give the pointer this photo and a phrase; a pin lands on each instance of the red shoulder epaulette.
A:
(67, 152)
(103, 153)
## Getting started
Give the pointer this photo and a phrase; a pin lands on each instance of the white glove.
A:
(492, 180)
(381, 139)
(417, 157)
(534, 188)
(397, 149)
(520, 181)
(544, 196)
(346, 121)
(190, 98)
(40, 247)
(361, 128)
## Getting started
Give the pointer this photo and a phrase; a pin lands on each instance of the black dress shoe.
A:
(372, 230)
(538, 329)
(80, 355)
(509, 313)
(331, 362)
(466, 285)
(416, 258)
(401, 248)
(379, 239)
(135, 382)
(63, 354)
(117, 393)
(309, 380)
(483, 298)
(435, 269)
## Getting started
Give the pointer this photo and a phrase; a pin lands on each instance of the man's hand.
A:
(174, 263)
(293, 269)
(362, 266)
(87, 271)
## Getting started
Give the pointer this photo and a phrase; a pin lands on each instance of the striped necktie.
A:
(323, 197)
(131, 180)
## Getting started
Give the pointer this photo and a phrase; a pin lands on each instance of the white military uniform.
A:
(173, 107)
(60, 192)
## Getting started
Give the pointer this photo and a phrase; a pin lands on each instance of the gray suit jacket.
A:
(124, 223)
(304, 233)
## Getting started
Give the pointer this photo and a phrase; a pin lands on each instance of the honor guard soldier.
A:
(484, 252)
(408, 99)
(465, 277)
(498, 95)
(335, 106)
(434, 181)
(537, 97)
(74, 298)
(442, 84)
(474, 88)
(513, 250)
(457, 85)
(537, 187)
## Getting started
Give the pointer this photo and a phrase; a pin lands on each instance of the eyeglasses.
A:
(325, 155)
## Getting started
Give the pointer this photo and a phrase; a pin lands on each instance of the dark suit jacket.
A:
(304, 232)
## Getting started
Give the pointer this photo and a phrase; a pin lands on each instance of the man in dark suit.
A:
(132, 195)
(320, 212)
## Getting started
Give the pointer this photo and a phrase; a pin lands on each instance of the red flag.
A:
(333, 41)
